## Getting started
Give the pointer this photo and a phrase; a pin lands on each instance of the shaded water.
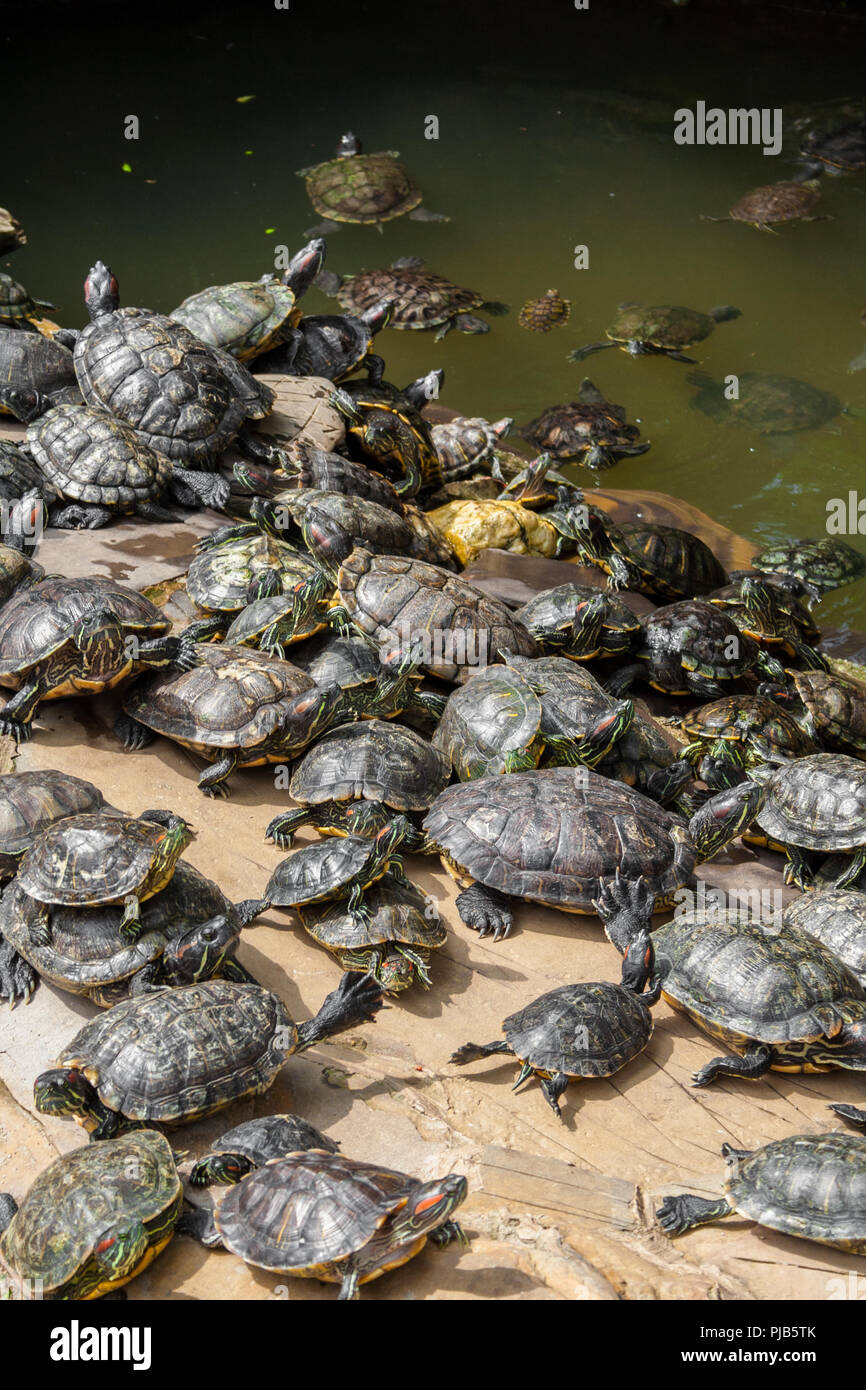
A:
(556, 129)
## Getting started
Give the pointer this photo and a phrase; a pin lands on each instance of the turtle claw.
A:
(486, 911)
(220, 791)
(14, 728)
(18, 979)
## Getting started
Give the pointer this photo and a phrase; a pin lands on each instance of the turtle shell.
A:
(272, 1136)
(827, 563)
(661, 325)
(552, 835)
(253, 621)
(810, 1185)
(397, 913)
(180, 1054)
(245, 318)
(767, 403)
(837, 706)
(29, 362)
(843, 148)
(332, 473)
(746, 718)
(572, 700)
(549, 311)
(375, 761)
(568, 431)
(334, 523)
(703, 638)
(580, 1030)
(326, 345)
(836, 918)
(550, 615)
(784, 201)
(491, 724)
(364, 188)
(16, 305)
(785, 617)
(818, 802)
(348, 662)
(467, 442)
(32, 801)
(419, 298)
(18, 474)
(16, 572)
(672, 563)
(319, 871)
(219, 579)
(382, 404)
(77, 1198)
(92, 458)
(390, 596)
(88, 859)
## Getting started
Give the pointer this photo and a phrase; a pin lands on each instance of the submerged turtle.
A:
(822, 565)
(580, 622)
(766, 403)
(774, 203)
(93, 1219)
(807, 1185)
(392, 942)
(828, 707)
(689, 648)
(591, 430)
(418, 298)
(817, 803)
(340, 868)
(658, 328)
(35, 373)
(842, 150)
(253, 1144)
(181, 1054)
(549, 311)
(365, 188)
(574, 1031)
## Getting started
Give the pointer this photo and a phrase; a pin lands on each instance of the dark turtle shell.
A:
(30, 802)
(785, 201)
(671, 563)
(572, 700)
(766, 403)
(77, 1199)
(826, 564)
(550, 617)
(245, 318)
(694, 636)
(491, 724)
(837, 707)
(549, 311)
(754, 720)
(272, 1136)
(332, 473)
(817, 802)
(808, 1185)
(37, 622)
(375, 761)
(590, 426)
(836, 918)
(661, 325)
(364, 188)
(387, 428)
(467, 443)
(16, 304)
(580, 1030)
(89, 457)
(30, 363)
(220, 577)
(89, 859)
(418, 297)
(334, 523)
(397, 913)
(348, 662)
(16, 572)
(18, 473)
(262, 616)
(842, 148)
(327, 345)
(320, 871)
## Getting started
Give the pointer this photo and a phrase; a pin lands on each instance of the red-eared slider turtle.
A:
(449, 625)
(467, 443)
(26, 493)
(773, 203)
(181, 1054)
(829, 707)
(17, 307)
(826, 564)
(418, 298)
(340, 868)
(658, 328)
(331, 524)
(645, 758)
(385, 424)
(76, 637)
(237, 565)
(365, 188)
(371, 761)
(580, 622)
(773, 618)
(568, 838)
(817, 803)
(356, 666)
(35, 373)
(737, 733)
(836, 918)
(549, 311)
(30, 802)
(93, 1219)
(330, 345)
(248, 317)
(253, 1144)
(765, 403)
(775, 996)
(659, 560)
(393, 942)
(322, 1216)
(492, 724)
(326, 472)
(807, 1185)
(573, 1031)
(591, 430)
(842, 150)
(17, 572)
(244, 708)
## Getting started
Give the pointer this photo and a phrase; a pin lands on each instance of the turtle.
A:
(319, 1215)
(12, 234)
(238, 708)
(590, 430)
(567, 837)
(362, 188)
(62, 637)
(645, 758)
(326, 472)
(331, 524)
(829, 707)
(662, 561)
(92, 1219)
(340, 868)
(471, 527)
(765, 403)
(386, 426)
(393, 942)
(591, 1029)
(448, 624)
(181, 1054)
(690, 648)
(842, 150)
(253, 1144)
(550, 310)
(93, 858)
(355, 665)
(25, 497)
(738, 732)
(491, 724)
(35, 373)
(658, 328)
(775, 619)
(816, 803)
(270, 624)
(17, 572)
(806, 1185)
(32, 801)
(371, 761)
(235, 566)
(773, 994)
(17, 307)
(335, 346)
(580, 622)
(773, 203)
(836, 918)
(248, 317)
(419, 299)
(825, 564)
(467, 442)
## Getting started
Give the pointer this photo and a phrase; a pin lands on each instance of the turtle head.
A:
(120, 1249)
(721, 819)
(99, 637)
(220, 1170)
(101, 291)
(396, 972)
(347, 145)
(309, 714)
(200, 951)
(325, 537)
(377, 316)
(66, 1091)
(397, 833)
(430, 1205)
(24, 405)
(305, 266)
(587, 621)
(759, 599)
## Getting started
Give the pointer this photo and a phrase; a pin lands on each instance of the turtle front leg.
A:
(179, 653)
(485, 910)
(703, 686)
(679, 1214)
(349, 1287)
(194, 489)
(16, 716)
(578, 354)
(199, 1225)
(281, 830)
(422, 214)
(131, 733)
(680, 357)
(798, 871)
(18, 979)
(77, 517)
(472, 1052)
(752, 1065)
(213, 781)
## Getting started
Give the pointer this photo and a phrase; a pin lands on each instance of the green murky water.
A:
(556, 129)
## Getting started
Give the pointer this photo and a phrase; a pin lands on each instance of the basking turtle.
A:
(392, 943)
(836, 918)
(737, 733)
(771, 617)
(384, 765)
(181, 1054)
(93, 1219)
(329, 345)
(17, 307)
(807, 1185)
(580, 622)
(331, 524)
(386, 426)
(64, 637)
(235, 566)
(662, 561)
(30, 802)
(773, 203)
(365, 188)
(580, 722)
(825, 564)
(35, 373)
(689, 648)
(356, 666)
(654, 764)
(253, 1144)
(491, 724)
(591, 430)
(418, 298)
(828, 707)
(248, 317)
(467, 443)
(574, 1031)
(340, 868)
(326, 472)
(817, 803)
(765, 403)
(549, 311)
(322, 1216)
(842, 150)
(658, 328)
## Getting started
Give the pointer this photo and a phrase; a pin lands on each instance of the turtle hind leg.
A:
(749, 1067)
(425, 215)
(679, 356)
(553, 1087)
(798, 871)
(851, 1114)
(578, 354)
(485, 910)
(131, 733)
(16, 715)
(355, 1000)
(472, 1052)
(848, 878)
(213, 780)
(679, 1214)
(199, 1225)
(18, 979)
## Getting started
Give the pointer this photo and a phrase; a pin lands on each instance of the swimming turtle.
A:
(253, 1144)
(371, 761)
(583, 1030)
(365, 188)
(418, 298)
(323, 1216)
(807, 1185)
(580, 622)
(773, 618)
(394, 940)
(35, 373)
(773, 203)
(765, 403)
(689, 648)
(467, 443)
(550, 310)
(180, 1054)
(658, 328)
(836, 918)
(817, 803)
(662, 561)
(340, 868)
(329, 345)
(17, 307)
(92, 1219)
(842, 150)
(825, 564)
(739, 732)
(591, 430)
(828, 707)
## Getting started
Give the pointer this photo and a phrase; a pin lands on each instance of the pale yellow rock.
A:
(475, 526)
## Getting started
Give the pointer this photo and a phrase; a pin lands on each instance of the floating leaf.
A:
(127, 168)
(269, 231)
(247, 151)
(242, 100)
